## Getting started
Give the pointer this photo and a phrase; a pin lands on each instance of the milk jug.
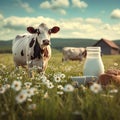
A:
(93, 65)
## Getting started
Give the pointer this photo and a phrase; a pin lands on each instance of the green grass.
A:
(46, 103)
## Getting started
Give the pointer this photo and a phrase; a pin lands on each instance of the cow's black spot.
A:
(23, 35)
(31, 42)
(37, 51)
(32, 58)
(22, 54)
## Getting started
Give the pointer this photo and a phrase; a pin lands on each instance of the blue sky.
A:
(94, 19)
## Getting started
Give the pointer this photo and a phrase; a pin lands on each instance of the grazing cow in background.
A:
(72, 53)
(33, 49)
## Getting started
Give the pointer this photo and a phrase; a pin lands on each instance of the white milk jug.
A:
(93, 65)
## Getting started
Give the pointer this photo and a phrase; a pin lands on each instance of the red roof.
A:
(108, 42)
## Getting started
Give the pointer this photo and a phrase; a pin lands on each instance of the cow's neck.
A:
(38, 51)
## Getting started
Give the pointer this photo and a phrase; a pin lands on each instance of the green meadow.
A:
(54, 96)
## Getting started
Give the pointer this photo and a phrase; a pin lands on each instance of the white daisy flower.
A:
(115, 64)
(19, 77)
(27, 92)
(60, 92)
(46, 82)
(44, 79)
(21, 97)
(33, 91)
(27, 85)
(60, 87)
(108, 96)
(113, 91)
(96, 88)
(62, 75)
(68, 88)
(57, 79)
(30, 92)
(16, 85)
(6, 79)
(50, 85)
(29, 99)
(7, 86)
(2, 90)
(57, 74)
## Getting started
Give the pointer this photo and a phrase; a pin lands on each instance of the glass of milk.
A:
(93, 65)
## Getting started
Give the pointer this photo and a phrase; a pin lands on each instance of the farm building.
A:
(108, 47)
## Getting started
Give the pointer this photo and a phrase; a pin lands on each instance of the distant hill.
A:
(59, 43)
(117, 42)
(5, 46)
(56, 43)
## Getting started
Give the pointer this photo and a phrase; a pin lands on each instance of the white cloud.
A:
(17, 23)
(25, 6)
(107, 27)
(116, 27)
(115, 14)
(79, 4)
(14, 25)
(59, 3)
(69, 28)
(45, 5)
(56, 5)
(14, 22)
(93, 21)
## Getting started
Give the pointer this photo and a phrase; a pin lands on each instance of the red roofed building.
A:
(108, 47)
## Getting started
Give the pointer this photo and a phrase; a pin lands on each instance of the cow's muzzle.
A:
(46, 42)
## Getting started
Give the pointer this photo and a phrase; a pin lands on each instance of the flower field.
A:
(53, 96)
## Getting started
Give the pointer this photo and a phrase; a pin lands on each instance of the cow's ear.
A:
(55, 29)
(31, 30)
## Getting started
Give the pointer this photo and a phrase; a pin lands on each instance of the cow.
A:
(34, 48)
(73, 53)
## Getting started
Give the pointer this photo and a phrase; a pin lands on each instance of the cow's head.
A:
(43, 33)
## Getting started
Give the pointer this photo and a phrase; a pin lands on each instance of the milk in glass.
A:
(93, 65)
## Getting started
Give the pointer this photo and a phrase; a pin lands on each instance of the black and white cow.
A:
(33, 49)
(73, 53)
